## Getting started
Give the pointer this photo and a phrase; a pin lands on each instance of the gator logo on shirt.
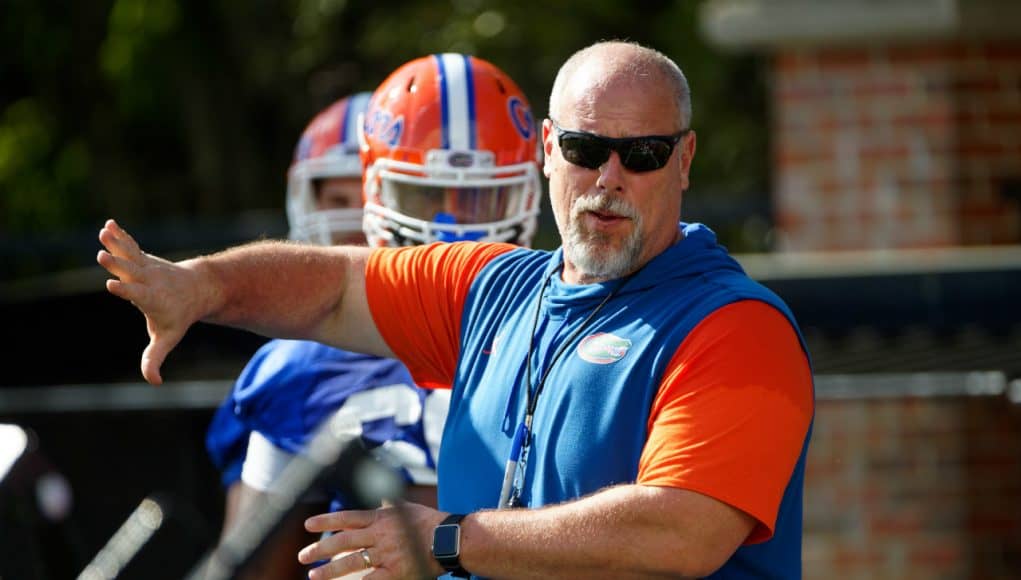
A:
(603, 348)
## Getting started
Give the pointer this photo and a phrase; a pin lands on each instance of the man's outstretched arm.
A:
(277, 289)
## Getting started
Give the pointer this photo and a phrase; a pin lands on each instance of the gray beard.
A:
(591, 254)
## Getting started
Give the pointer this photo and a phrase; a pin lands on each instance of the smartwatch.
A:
(447, 545)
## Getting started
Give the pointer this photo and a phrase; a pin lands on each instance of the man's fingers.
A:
(128, 291)
(334, 544)
(339, 568)
(122, 268)
(118, 242)
(341, 520)
(320, 550)
(161, 342)
(151, 373)
(124, 239)
(152, 360)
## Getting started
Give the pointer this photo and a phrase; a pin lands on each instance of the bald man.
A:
(644, 404)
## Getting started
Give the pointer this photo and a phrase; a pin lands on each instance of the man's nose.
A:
(611, 174)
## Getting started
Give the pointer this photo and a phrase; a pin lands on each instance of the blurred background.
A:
(861, 158)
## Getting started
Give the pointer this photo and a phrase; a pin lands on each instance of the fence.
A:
(909, 475)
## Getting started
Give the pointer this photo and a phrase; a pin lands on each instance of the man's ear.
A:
(547, 145)
(687, 154)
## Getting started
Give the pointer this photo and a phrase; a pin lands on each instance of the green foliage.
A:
(42, 172)
(131, 56)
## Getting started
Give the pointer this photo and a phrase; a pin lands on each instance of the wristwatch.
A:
(447, 545)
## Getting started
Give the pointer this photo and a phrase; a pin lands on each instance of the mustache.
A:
(604, 204)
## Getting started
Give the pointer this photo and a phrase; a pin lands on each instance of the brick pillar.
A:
(895, 124)
(914, 488)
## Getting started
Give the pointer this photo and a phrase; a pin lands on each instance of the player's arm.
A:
(277, 289)
(263, 464)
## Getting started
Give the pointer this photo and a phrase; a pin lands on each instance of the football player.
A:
(449, 153)
(290, 387)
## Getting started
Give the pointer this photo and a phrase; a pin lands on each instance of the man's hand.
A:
(396, 540)
(169, 295)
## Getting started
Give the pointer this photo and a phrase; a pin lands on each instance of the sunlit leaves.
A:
(137, 30)
(39, 175)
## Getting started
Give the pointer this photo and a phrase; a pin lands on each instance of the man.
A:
(648, 400)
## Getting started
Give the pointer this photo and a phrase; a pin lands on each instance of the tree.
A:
(169, 111)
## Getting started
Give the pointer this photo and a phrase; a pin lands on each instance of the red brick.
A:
(889, 87)
(1003, 117)
(1002, 52)
(844, 59)
(1001, 523)
(934, 116)
(794, 62)
(969, 116)
(799, 92)
(790, 221)
(884, 151)
(979, 148)
(831, 122)
(941, 239)
(978, 84)
(898, 525)
(929, 54)
(789, 156)
(856, 557)
(937, 552)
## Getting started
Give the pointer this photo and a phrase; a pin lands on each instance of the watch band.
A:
(451, 562)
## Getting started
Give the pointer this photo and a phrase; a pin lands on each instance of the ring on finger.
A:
(366, 559)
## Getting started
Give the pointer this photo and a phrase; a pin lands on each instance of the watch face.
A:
(446, 541)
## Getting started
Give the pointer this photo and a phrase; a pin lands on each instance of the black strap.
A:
(454, 568)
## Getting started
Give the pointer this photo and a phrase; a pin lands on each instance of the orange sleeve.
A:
(416, 296)
(731, 416)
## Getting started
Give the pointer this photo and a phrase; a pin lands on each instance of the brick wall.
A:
(914, 488)
(897, 146)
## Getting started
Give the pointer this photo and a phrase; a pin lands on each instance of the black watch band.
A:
(446, 548)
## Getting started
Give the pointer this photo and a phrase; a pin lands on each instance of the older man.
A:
(649, 402)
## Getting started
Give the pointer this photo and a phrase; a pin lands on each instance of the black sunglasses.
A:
(638, 154)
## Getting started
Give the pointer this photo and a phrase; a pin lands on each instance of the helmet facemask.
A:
(455, 196)
(328, 150)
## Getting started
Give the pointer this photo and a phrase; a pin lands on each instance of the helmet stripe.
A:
(470, 87)
(456, 94)
(444, 113)
(356, 104)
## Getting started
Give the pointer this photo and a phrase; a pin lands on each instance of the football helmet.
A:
(450, 152)
(328, 148)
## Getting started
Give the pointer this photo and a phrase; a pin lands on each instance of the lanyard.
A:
(514, 471)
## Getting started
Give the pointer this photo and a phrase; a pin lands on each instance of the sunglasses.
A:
(638, 154)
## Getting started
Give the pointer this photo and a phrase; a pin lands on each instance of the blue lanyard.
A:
(517, 462)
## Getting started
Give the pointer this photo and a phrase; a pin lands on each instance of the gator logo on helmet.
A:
(603, 348)
(524, 122)
(385, 127)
